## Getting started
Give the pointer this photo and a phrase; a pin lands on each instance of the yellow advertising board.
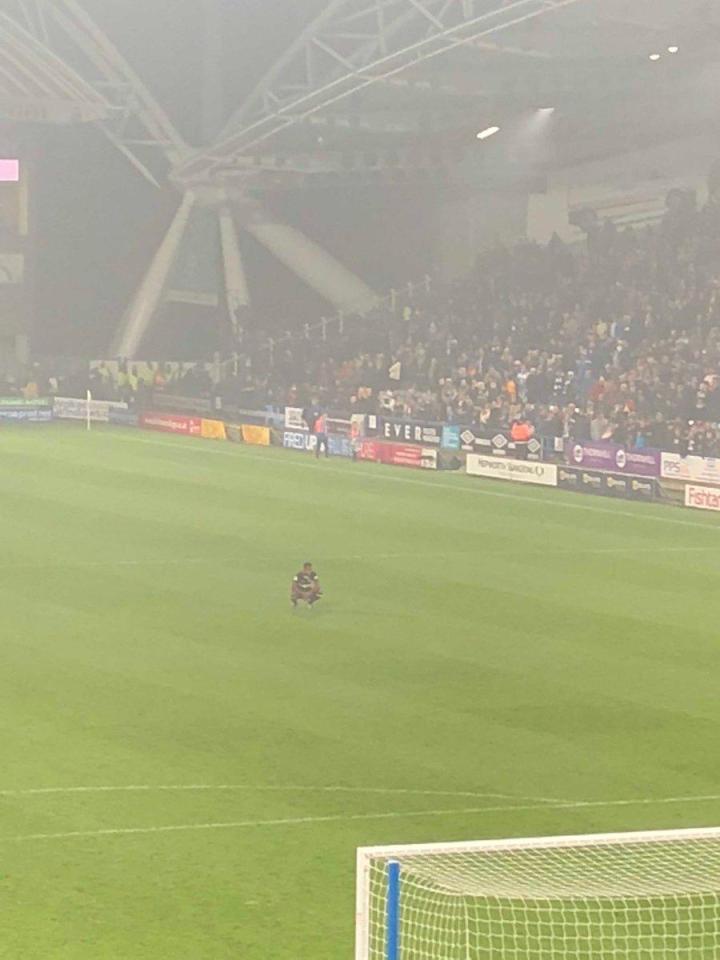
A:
(259, 436)
(212, 430)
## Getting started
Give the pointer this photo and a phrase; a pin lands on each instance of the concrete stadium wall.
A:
(468, 225)
(630, 188)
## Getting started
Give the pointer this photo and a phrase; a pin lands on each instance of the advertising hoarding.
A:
(519, 471)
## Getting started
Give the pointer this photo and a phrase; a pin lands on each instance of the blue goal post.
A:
(392, 947)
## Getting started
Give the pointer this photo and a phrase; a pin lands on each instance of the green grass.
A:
(475, 637)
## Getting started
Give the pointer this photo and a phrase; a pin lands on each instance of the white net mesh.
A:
(620, 898)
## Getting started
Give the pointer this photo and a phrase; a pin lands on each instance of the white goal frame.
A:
(370, 857)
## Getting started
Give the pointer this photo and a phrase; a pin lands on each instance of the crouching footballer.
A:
(305, 586)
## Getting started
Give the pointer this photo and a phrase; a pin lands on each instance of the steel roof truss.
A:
(347, 49)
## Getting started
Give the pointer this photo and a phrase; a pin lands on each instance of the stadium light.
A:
(654, 56)
(488, 132)
(673, 49)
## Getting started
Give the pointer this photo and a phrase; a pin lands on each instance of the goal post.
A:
(651, 895)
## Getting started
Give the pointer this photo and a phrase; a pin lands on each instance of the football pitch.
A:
(188, 765)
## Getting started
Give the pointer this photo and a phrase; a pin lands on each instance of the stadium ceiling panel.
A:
(657, 15)
(54, 57)
(352, 45)
(617, 29)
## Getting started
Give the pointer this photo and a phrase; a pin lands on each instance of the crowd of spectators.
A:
(614, 339)
(138, 383)
(617, 338)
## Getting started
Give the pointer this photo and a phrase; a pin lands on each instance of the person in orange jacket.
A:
(320, 430)
(521, 433)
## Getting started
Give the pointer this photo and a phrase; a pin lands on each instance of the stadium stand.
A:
(619, 340)
(615, 339)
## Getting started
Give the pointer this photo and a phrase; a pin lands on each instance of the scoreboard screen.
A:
(9, 171)
(13, 204)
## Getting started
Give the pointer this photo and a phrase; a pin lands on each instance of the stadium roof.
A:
(311, 84)
(425, 77)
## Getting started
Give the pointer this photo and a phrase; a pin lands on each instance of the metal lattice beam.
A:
(35, 83)
(53, 48)
(131, 100)
(350, 46)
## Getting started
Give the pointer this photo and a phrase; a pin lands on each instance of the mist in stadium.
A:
(360, 445)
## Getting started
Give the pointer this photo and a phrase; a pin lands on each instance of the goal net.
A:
(623, 896)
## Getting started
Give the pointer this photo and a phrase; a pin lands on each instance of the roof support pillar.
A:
(236, 286)
(146, 301)
(314, 266)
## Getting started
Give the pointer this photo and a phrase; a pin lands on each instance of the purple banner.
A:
(600, 455)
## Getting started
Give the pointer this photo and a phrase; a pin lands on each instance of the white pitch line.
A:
(350, 818)
(564, 503)
(569, 554)
(266, 788)
(346, 558)
(63, 563)
(239, 824)
(655, 549)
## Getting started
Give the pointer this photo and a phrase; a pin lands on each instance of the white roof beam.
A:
(408, 32)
